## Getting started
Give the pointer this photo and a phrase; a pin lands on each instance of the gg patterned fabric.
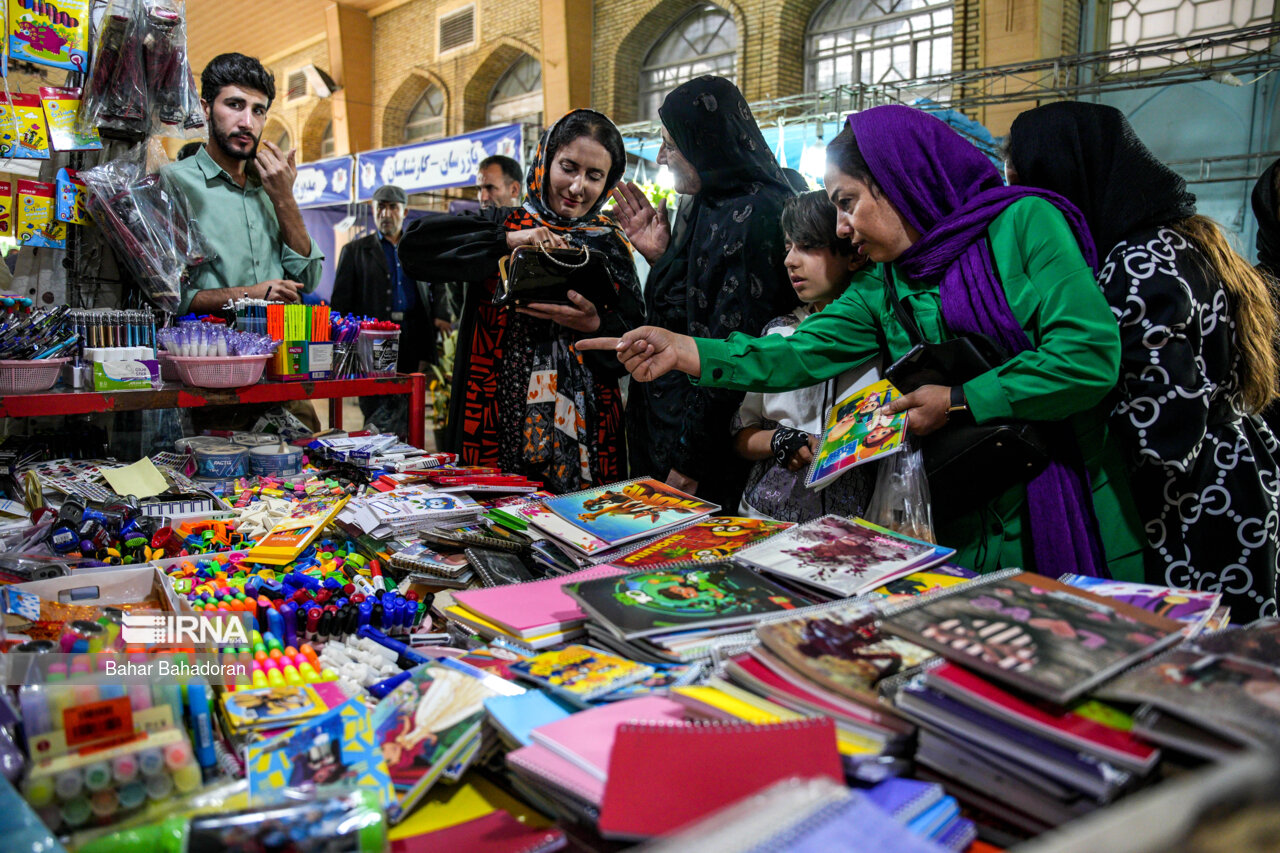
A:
(1206, 475)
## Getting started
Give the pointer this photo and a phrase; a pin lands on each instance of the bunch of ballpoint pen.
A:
(36, 333)
(112, 328)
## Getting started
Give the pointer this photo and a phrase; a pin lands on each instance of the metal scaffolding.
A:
(1224, 56)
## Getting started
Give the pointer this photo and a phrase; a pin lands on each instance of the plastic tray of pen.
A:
(29, 377)
(223, 371)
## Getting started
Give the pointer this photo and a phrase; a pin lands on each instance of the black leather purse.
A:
(967, 463)
(538, 274)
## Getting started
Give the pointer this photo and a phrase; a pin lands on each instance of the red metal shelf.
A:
(177, 396)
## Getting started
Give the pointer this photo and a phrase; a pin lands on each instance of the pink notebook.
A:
(558, 772)
(586, 738)
(534, 607)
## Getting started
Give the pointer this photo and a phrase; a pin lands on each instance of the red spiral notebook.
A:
(665, 775)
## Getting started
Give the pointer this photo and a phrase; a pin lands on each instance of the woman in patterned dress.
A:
(524, 399)
(1198, 362)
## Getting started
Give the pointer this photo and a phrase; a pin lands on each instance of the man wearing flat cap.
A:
(370, 282)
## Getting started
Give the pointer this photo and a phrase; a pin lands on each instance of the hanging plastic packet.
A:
(49, 34)
(147, 222)
(175, 105)
(116, 96)
(36, 223)
(23, 134)
(70, 206)
(6, 209)
(61, 106)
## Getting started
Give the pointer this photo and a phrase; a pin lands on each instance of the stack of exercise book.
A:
(1001, 721)
(671, 615)
(432, 565)
(836, 557)
(405, 510)
(829, 661)
(1212, 695)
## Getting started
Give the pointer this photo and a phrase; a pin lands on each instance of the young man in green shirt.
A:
(247, 213)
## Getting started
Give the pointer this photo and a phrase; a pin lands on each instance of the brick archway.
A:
(475, 96)
(399, 105)
(309, 146)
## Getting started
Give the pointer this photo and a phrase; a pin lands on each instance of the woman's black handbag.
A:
(538, 274)
(967, 463)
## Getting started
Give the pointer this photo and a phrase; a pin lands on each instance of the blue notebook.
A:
(854, 825)
(905, 799)
(518, 715)
(936, 819)
(959, 835)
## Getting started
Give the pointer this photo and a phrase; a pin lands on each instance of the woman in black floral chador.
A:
(1197, 329)
(722, 272)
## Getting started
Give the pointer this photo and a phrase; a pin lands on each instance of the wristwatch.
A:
(958, 402)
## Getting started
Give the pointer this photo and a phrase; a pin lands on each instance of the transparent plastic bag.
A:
(901, 498)
(175, 103)
(147, 222)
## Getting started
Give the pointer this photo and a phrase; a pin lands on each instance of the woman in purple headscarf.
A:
(965, 255)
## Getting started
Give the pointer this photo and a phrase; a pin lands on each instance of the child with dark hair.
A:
(779, 432)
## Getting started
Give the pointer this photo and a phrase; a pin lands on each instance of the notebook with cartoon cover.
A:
(623, 512)
(715, 538)
(842, 557)
(857, 430)
(1192, 607)
(658, 601)
(1033, 633)
(580, 674)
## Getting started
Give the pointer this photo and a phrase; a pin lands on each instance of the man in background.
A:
(370, 282)
(499, 182)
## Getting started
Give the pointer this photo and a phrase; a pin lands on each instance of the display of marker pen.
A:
(202, 726)
(275, 622)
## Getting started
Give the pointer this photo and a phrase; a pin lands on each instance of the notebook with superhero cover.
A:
(428, 721)
(659, 601)
(842, 557)
(1033, 633)
(580, 674)
(716, 538)
(1231, 697)
(856, 430)
(1192, 607)
(336, 748)
(624, 512)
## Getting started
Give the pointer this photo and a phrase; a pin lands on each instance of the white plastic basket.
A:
(18, 376)
(227, 371)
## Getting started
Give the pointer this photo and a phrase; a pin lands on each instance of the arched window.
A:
(426, 119)
(326, 142)
(284, 141)
(705, 41)
(877, 41)
(1138, 22)
(517, 96)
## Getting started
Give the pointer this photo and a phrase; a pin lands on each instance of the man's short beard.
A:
(223, 140)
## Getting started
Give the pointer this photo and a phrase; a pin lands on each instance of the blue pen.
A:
(395, 645)
(383, 688)
(202, 726)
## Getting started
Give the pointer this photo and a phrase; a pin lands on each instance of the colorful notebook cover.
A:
(663, 777)
(1191, 607)
(857, 430)
(716, 538)
(1033, 633)
(426, 723)
(841, 650)
(519, 715)
(665, 676)
(529, 609)
(1066, 727)
(1228, 696)
(586, 738)
(336, 748)
(657, 601)
(918, 583)
(271, 707)
(842, 556)
(556, 527)
(580, 673)
(624, 512)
